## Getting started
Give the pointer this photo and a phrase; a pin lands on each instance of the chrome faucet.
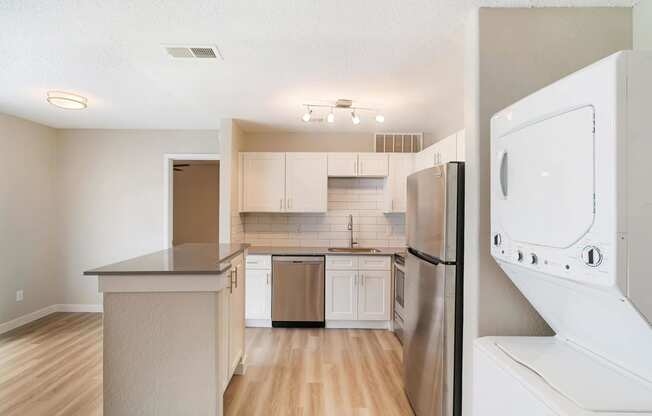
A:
(350, 228)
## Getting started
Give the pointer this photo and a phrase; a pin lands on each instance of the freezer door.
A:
(429, 346)
(432, 210)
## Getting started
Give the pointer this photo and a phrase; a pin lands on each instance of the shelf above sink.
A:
(353, 250)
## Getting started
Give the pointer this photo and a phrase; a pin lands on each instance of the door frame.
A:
(168, 160)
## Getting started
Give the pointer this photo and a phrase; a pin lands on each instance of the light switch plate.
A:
(19, 296)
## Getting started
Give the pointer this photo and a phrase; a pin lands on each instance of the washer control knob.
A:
(518, 256)
(591, 256)
(532, 258)
(497, 240)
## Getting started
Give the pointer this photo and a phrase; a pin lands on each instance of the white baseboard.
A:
(82, 307)
(258, 323)
(31, 317)
(25, 319)
(358, 324)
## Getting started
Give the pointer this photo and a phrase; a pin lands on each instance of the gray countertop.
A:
(190, 259)
(383, 251)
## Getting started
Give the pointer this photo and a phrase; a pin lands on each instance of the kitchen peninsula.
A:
(173, 329)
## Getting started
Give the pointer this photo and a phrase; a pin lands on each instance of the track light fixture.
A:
(308, 115)
(331, 117)
(340, 104)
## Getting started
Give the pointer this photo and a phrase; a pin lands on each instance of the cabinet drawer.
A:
(341, 262)
(374, 263)
(259, 261)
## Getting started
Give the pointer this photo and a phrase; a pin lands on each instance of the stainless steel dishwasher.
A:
(298, 291)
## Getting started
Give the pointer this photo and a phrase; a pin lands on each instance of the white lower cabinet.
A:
(361, 294)
(258, 310)
(341, 295)
(373, 295)
(259, 294)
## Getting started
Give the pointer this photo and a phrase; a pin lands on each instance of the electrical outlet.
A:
(19, 296)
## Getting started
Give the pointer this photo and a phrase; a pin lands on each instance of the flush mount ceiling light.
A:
(341, 104)
(67, 100)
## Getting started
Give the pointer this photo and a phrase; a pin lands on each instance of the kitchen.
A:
(350, 232)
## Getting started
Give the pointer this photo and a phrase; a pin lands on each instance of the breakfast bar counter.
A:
(173, 329)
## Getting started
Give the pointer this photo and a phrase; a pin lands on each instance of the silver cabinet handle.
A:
(268, 278)
(355, 167)
(281, 207)
(361, 279)
(289, 202)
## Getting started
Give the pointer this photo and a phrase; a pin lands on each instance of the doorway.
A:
(193, 200)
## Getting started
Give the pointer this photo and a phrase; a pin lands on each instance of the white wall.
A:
(27, 217)
(110, 187)
(643, 25)
(510, 54)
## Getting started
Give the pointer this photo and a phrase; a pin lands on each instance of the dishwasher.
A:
(298, 291)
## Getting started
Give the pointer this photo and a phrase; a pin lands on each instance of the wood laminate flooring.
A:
(53, 366)
(319, 372)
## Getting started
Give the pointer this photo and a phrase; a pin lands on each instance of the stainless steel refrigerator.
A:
(432, 352)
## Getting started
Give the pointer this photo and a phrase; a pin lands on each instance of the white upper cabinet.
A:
(450, 149)
(343, 164)
(372, 164)
(461, 146)
(447, 150)
(349, 165)
(262, 182)
(400, 166)
(283, 182)
(306, 182)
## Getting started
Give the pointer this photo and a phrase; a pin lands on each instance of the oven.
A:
(399, 295)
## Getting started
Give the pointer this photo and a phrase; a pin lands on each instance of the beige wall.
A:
(643, 25)
(27, 217)
(510, 54)
(110, 187)
(196, 203)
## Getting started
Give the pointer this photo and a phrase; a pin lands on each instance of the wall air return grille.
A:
(398, 142)
(192, 52)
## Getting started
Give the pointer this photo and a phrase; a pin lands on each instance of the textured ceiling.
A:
(402, 56)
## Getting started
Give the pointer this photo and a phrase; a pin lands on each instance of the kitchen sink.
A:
(353, 250)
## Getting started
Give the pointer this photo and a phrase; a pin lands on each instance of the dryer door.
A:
(543, 180)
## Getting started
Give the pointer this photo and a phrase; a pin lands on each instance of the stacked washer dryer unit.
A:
(571, 218)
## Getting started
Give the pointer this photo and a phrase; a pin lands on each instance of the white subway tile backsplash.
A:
(362, 198)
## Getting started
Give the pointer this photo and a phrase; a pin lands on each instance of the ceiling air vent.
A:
(193, 52)
(398, 142)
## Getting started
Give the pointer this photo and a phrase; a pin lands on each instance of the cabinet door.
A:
(258, 294)
(306, 182)
(374, 295)
(343, 164)
(341, 295)
(461, 145)
(400, 166)
(448, 149)
(237, 313)
(263, 182)
(372, 164)
(425, 158)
